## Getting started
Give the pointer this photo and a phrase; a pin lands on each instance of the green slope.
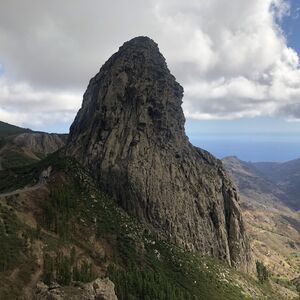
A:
(8, 129)
(75, 214)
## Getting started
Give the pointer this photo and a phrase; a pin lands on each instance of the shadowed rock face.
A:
(130, 133)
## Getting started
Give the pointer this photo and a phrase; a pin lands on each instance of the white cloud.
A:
(22, 105)
(231, 56)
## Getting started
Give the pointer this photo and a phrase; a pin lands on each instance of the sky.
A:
(237, 60)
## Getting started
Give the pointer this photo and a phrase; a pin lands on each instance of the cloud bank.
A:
(231, 56)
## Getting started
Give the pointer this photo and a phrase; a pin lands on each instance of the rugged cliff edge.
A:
(20, 146)
(130, 133)
(40, 142)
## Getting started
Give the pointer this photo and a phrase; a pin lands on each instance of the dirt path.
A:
(35, 277)
(14, 274)
(25, 189)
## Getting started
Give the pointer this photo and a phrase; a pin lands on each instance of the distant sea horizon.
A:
(252, 148)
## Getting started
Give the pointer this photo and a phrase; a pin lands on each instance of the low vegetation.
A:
(16, 261)
(86, 235)
(63, 269)
(13, 159)
(12, 245)
(262, 272)
(8, 129)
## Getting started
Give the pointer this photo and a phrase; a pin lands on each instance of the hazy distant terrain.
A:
(287, 177)
(273, 224)
(251, 147)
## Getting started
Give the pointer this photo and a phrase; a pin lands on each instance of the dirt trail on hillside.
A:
(23, 190)
(14, 274)
(35, 277)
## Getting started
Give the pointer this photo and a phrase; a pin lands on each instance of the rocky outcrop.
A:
(24, 148)
(130, 133)
(40, 142)
(99, 289)
(103, 289)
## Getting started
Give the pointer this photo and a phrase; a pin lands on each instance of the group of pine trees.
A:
(134, 284)
(64, 269)
(58, 210)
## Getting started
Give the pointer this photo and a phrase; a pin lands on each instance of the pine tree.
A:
(48, 272)
(38, 231)
(73, 255)
(262, 272)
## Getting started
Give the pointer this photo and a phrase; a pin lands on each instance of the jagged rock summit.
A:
(130, 133)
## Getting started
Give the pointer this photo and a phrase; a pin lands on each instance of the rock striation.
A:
(40, 142)
(20, 149)
(130, 133)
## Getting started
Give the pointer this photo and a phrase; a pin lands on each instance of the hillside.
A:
(272, 225)
(287, 177)
(62, 228)
(279, 180)
(8, 129)
(19, 146)
(252, 182)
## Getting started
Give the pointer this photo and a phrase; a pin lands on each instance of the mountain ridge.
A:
(273, 225)
(280, 178)
(22, 146)
(7, 129)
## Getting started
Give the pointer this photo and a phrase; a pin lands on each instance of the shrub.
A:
(262, 272)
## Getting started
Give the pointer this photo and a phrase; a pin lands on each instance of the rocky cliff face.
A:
(130, 133)
(40, 142)
(19, 149)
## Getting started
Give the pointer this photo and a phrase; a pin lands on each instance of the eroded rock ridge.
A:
(130, 133)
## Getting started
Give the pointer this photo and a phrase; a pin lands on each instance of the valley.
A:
(272, 222)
